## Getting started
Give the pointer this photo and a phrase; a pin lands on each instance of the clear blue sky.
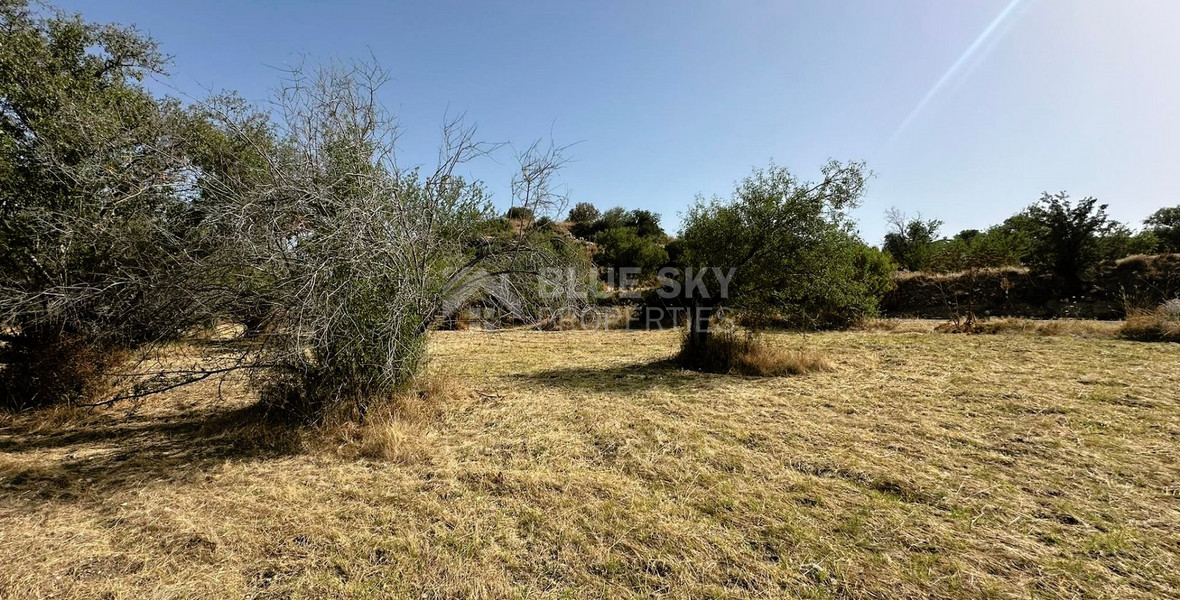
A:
(965, 109)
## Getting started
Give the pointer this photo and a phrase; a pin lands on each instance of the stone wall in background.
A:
(1132, 283)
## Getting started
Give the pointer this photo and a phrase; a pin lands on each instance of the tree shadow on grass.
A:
(665, 374)
(108, 455)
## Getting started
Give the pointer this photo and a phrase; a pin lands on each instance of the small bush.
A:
(520, 213)
(584, 212)
(728, 351)
(1159, 325)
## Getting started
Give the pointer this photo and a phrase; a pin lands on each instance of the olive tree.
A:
(95, 255)
(778, 244)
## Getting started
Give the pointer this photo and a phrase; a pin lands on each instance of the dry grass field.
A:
(581, 464)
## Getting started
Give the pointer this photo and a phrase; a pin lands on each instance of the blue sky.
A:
(669, 99)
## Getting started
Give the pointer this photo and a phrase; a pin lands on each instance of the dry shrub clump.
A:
(1159, 325)
(55, 370)
(398, 428)
(729, 351)
(1049, 327)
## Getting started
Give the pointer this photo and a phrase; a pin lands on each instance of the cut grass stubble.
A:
(582, 464)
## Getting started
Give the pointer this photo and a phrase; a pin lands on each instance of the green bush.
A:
(584, 212)
(520, 213)
(97, 246)
(621, 247)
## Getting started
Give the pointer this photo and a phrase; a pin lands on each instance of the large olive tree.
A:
(94, 188)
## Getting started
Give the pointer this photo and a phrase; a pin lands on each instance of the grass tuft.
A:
(762, 360)
(731, 351)
(399, 428)
(1158, 325)
(1049, 327)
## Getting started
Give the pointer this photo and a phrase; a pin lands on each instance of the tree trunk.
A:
(694, 353)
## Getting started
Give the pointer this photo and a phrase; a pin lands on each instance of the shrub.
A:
(96, 252)
(642, 223)
(786, 247)
(584, 212)
(1065, 237)
(520, 213)
(1159, 325)
(47, 370)
(622, 247)
(351, 257)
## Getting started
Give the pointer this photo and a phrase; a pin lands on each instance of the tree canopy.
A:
(1164, 224)
(781, 245)
(96, 251)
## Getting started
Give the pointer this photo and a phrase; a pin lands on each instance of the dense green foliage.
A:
(584, 212)
(96, 237)
(1164, 224)
(644, 223)
(912, 244)
(623, 239)
(1065, 236)
(623, 247)
(791, 246)
(1053, 236)
(973, 249)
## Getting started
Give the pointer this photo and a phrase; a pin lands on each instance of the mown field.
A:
(581, 464)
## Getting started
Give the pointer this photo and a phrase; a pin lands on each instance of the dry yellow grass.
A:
(1003, 326)
(1159, 325)
(763, 360)
(580, 464)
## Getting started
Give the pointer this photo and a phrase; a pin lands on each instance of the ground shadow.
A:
(104, 456)
(664, 374)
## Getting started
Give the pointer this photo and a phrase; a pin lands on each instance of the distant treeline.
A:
(1054, 258)
(1051, 237)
